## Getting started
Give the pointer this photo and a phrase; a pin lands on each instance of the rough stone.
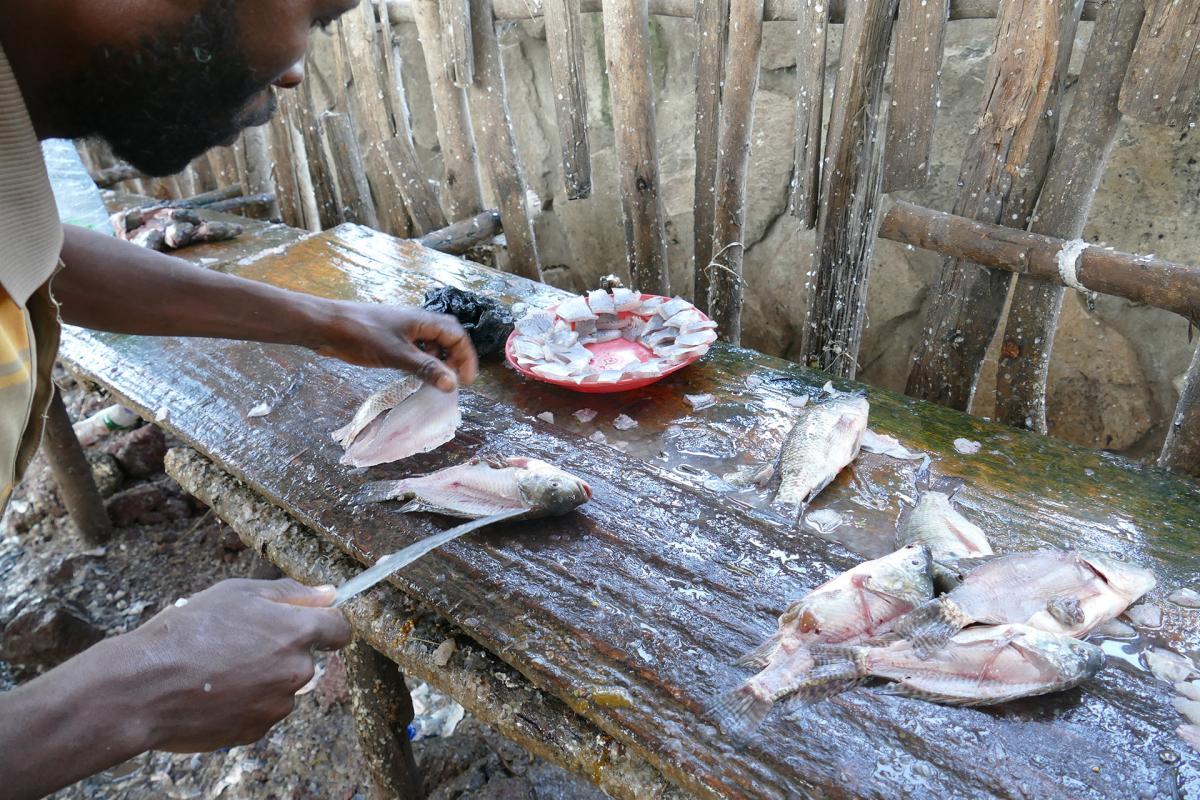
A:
(139, 452)
(140, 504)
(46, 634)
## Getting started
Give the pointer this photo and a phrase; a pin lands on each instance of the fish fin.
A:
(342, 434)
(415, 505)
(966, 565)
(907, 690)
(740, 711)
(826, 654)
(760, 656)
(825, 681)
(1066, 610)
(379, 491)
(931, 625)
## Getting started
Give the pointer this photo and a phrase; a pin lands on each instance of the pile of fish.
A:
(1003, 627)
(170, 228)
(555, 344)
(409, 417)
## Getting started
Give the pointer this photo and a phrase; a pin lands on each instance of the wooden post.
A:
(283, 169)
(920, 37)
(566, 74)
(320, 161)
(462, 194)
(383, 710)
(456, 25)
(76, 486)
(627, 53)
(849, 214)
(810, 99)
(1181, 450)
(357, 205)
(712, 28)
(726, 287)
(258, 166)
(1144, 280)
(1075, 170)
(306, 191)
(1003, 170)
(459, 237)
(489, 106)
(1163, 82)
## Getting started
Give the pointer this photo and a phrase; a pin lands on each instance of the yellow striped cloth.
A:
(30, 244)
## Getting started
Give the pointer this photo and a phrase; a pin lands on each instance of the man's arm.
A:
(216, 672)
(111, 285)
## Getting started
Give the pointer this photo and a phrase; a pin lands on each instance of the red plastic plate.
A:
(607, 355)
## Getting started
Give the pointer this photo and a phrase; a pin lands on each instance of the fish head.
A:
(1087, 659)
(550, 491)
(906, 573)
(1072, 659)
(1128, 580)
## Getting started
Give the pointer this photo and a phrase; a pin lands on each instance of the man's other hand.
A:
(225, 666)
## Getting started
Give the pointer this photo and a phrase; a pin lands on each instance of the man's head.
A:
(172, 78)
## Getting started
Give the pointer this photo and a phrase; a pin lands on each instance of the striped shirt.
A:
(30, 244)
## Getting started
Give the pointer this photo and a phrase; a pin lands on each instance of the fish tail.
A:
(928, 627)
(761, 655)
(826, 680)
(379, 491)
(740, 711)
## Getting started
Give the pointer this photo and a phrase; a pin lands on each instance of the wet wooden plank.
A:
(712, 29)
(920, 35)
(565, 41)
(489, 108)
(627, 54)
(456, 22)
(850, 189)
(462, 195)
(1163, 82)
(659, 582)
(1002, 172)
(810, 98)
(725, 296)
(1072, 178)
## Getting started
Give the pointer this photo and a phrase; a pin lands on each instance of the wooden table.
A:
(617, 624)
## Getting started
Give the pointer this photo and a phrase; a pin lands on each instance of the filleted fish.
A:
(826, 437)
(982, 665)
(481, 488)
(1065, 592)
(860, 603)
(950, 536)
(402, 419)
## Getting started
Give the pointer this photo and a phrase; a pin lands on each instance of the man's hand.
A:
(225, 667)
(219, 670)
(410, 339)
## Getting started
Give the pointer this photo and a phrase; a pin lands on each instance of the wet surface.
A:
(652, 589)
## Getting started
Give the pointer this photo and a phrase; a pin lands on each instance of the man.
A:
(161, 81)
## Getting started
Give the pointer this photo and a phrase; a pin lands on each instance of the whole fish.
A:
(482, 488)
(858, 604)
(983, 665)
(825, 438)
(949, 536)
(1064, 592)
(400, 420)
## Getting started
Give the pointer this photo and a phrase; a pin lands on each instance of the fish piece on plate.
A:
(1068, 592)
(950, 536)
(858, 604)
(419, 422)
(536, 324)
(601, 302)
(696, 338)
(825, 438)
(980, 666)
(574, 309)
(481, 488)
(673, 307)
(626, 299)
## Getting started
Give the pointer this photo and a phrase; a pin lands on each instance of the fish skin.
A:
(481, 488)
(949, 536)
(825, 438)
(424, 421)
(383, 400)
(1050, 583)
(858, 604)
(983, 665)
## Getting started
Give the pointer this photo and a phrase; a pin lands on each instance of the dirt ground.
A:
(58, 594)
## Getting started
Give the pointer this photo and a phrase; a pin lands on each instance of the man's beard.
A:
(171, 98)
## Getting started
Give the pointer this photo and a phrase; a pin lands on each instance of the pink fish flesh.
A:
(423, 421)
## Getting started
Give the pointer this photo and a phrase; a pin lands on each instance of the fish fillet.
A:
(423, 421)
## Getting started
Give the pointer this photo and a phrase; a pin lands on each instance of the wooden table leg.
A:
(383, 710)
(76, 486)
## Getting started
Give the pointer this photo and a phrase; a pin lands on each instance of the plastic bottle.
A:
(104, 422)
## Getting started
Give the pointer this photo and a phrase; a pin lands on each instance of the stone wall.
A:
(1115, 375)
